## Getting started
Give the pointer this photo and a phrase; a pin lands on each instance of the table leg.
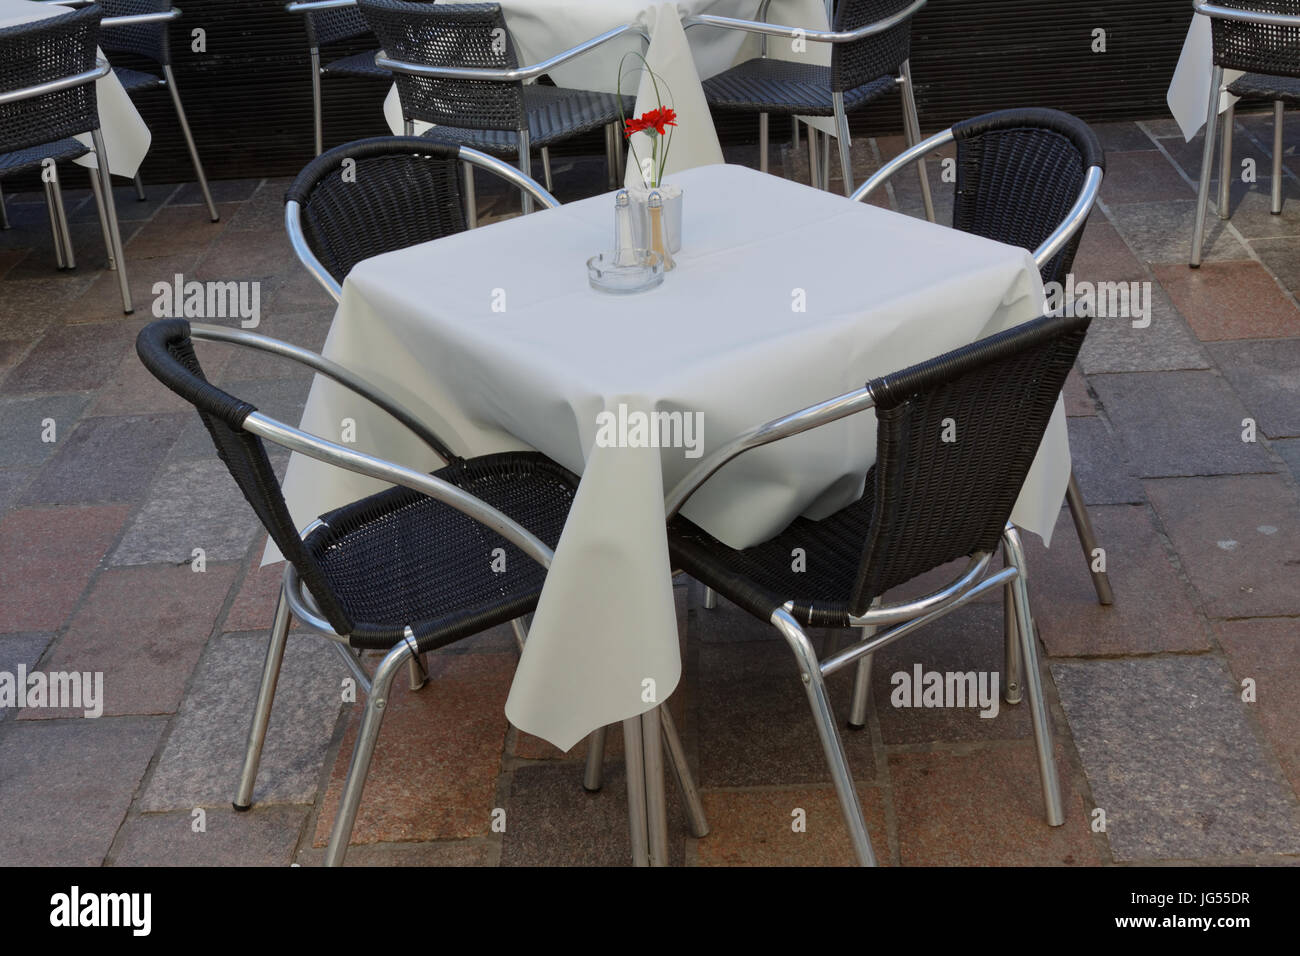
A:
(634, 755)
(656, 800)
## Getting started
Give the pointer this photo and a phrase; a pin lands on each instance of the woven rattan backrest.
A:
(167, 351)
(146, 39)
(955, 438)
(1254, 47)
(40, 51)
(1018, 174)
(450, 34)
(870, 58)
(335, 25)
(375, 195)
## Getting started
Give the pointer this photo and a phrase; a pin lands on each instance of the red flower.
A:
(652, 121)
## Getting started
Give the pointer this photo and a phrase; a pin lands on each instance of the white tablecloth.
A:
(543, 28)
(494, 337)
(1189, 90)
(126, 138)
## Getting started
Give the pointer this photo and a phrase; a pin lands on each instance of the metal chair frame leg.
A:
(912, 128)
(861, 679)
(813, 163)
(265, 698)
(695, 818)
(762, 142)
(1207, 157)
(710, 598)
(824, 717)
(103, 218)
(1012, 665)
(842, 136)
(1276, 207)
(189, 140)
(4, 212)
(1225, 163)
(139, 188)
(471, 198)
(110, 211)
(634, 757)
(52, 190)
(1088, 540)
(593, 774)
(546, 168)
(317, 124)
(526, 167)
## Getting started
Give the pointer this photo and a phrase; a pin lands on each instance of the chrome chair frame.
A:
(469, 157)
(1073, 222)
(100, 183)
(295, 601)
(1217, 88)
(522, 74)
(898, 620)
(911, 119)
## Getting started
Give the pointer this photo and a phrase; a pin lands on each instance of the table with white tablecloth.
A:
(542, 28)
(783, 296)
(1189, 90)
(126, 137)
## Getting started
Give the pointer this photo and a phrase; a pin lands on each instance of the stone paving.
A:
(1175, 710)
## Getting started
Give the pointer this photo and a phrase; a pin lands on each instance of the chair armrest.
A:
(62, 83)
(515, 75)
(332, 370)
(793, 33)
(136, 19)
(311, 6)
(1074, 219)
(906, 157)
(1212, 10)
(814, 416)
(318, 448)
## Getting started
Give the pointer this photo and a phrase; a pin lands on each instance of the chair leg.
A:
(1207, 157)
(794, 132)
(695, 818)
(4, 212)
(1225, 163)
(139, 188)
(110, 211)
(471, 198)
(317, 128)
(265, 697)
(842, 136)
(189, 143)
(56, 234)
(634, 757)
(1034, 683)
(824, 151)
(1087, 540)
(861, 682)
(813, 163)
(546, 169)
(912, 127)
(526, 167)
(710, 598)
(1276, 208)
(593, 774)
(103, 218)
(376, 704)
(1012, 665)
(824, 718)
(418, 671)
(656, 800)
(762, 142)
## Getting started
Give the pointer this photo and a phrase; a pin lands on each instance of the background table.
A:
(543, 28)
(126, 138)
(495, 338)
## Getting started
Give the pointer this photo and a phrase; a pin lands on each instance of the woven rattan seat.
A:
(778, 86)
(33, 156)
(400, 559)
(133, 80)
(553, 114)
(358, 64)
(1284, 88)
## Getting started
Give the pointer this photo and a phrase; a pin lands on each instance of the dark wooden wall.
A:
(249, 102)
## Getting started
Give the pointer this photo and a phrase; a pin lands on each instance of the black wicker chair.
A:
(406, 570)
(138, 30)
(927, 502)
(456, 67)
(330, 23)
(870, 46)
(1262, 38)
(48, 69)
(399, 191)
(1028, 178)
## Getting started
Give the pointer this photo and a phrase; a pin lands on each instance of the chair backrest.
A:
(872, 57)
(450, 34)
(955, 438)
(335, 25)
(1019, 173)
(397, 191)
(167, 351)
(150, 40)
(1257, 47)
(40, 51)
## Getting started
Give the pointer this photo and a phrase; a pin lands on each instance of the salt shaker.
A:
(624, 237)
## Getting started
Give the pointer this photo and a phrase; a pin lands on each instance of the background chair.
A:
(456, 67)
(1028, 178)
(927, 502)
(405, 190)
(1261, 37)
(329, 23)
(870, 46)
(48, 70)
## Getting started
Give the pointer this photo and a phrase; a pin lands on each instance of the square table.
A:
(783, 296)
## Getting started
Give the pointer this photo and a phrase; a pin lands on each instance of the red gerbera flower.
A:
(652, 121)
